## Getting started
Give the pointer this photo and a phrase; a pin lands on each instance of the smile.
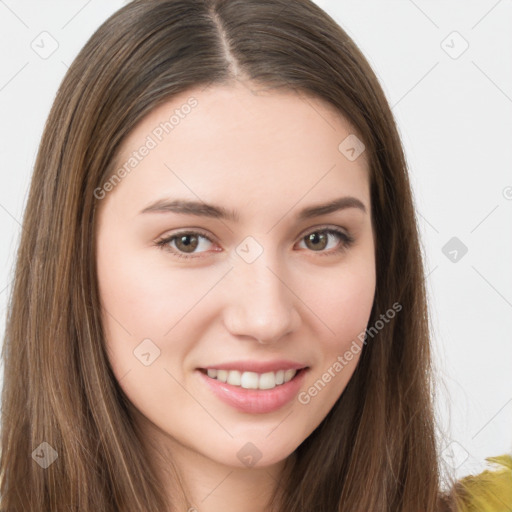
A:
(252, 380)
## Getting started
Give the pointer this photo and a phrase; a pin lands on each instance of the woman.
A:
(219, 297)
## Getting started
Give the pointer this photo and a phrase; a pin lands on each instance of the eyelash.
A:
(346, 242)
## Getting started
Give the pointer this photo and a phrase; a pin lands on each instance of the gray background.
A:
(453, 106)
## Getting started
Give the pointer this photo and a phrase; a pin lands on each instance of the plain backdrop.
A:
(445, 67)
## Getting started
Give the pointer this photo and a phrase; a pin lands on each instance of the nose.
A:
(261, 304)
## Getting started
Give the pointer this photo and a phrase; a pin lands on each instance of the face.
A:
(261, 280)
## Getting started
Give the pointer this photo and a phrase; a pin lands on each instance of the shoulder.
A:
(490, 490)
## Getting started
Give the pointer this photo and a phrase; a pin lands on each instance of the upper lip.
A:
(257, 366)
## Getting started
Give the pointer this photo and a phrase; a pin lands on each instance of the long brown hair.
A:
(376, 450)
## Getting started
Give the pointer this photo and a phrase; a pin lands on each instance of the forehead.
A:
(242, 144)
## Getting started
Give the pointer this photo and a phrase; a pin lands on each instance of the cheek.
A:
(343, 303)
(351, 306)
(138, 298)
(344, 307)
(138, 309)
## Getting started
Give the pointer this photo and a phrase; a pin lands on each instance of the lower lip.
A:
(256, 401)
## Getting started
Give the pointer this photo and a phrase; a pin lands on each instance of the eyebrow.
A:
(201, 209)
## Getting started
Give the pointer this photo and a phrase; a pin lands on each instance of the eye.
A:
(318, 240)
(185, 243)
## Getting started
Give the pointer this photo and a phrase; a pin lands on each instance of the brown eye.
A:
(318, 240)
(184, 244)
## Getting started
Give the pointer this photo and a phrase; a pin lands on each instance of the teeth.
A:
(253, 380)
(234, 378)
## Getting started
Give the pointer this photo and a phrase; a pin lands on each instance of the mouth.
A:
(254, 400)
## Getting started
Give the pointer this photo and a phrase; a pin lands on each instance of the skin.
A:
(266, 155)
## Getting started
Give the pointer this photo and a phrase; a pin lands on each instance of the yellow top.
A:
(490, 491)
